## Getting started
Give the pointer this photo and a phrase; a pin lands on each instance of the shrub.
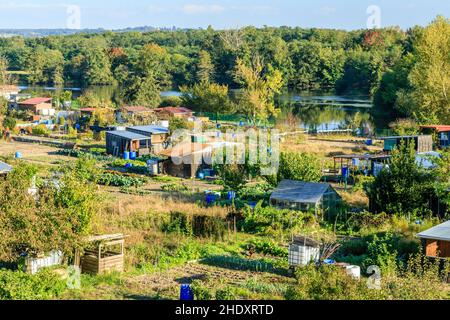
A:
(174, 187)
(9, 123)
(268, 247)
(17, 285)
(382, 253)
(200, 291)
(117, 180)
(226, 293)
(179, 223)
(297, 166)
(40, 130)
(264, 220)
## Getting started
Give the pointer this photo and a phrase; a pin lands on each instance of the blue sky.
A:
(113, 14)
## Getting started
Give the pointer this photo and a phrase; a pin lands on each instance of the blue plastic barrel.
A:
(126, 155)
(186, 293)
(241, 123)
(128, 165)
(345, 172)
(18, 155)
(133, 155)
(201, 175)
(218, 126)
(252, 204)
(231, 195)
(210, 198)
(77, 126)
(369, 142)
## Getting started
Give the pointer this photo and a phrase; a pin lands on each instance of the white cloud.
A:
(203, 9)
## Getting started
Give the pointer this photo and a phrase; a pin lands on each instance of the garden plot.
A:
(32, 152)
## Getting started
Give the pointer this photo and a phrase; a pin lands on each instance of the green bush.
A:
(268, 247)
(175, 187)
(179, 223)
(17, 285)
(297, 166)
(117, 180)
(226, 293)
(200, 291)
(40, 130)
(265, 220)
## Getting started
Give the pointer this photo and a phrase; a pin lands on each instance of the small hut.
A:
(302, 251)
(306, 196)
(422, 143)
(442, 133)
(120, 141)
(104, 253)
(436, 241)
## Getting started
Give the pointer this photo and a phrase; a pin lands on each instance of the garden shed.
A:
(157, 134)
(120, 141)
(306, 196)
(422, 143)
(442, 133)
(436, 241)
(103, 253)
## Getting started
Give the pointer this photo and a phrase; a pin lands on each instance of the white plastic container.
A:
(300, 255)
(354, 272)
(164, 123)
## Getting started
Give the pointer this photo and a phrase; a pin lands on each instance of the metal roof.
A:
(300, 191)
(150, 129)
(128, 135)
(5, 168)
(439, 232)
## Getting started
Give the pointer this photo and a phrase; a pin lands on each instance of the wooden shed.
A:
(186, 159)
(442, 133)
(436, 241)
(157, 134)
(120, 141)
(104, 253)
(422, 143)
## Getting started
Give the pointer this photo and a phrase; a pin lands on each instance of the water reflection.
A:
(326, 113)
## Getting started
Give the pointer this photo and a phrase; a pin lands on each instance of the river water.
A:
(318, 111)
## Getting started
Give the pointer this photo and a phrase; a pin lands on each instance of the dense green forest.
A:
(403, 70)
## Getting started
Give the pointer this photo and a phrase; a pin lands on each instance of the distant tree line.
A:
(385, 63)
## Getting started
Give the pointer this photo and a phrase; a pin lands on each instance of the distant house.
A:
(5, 168)
(177, 112)
(38, 106)
(306, 196)
(442, 132)
(422, 143)
(157, 134)
(132, 112)
(436, 241)
(120, 141)
(187, 159)
(7, 91)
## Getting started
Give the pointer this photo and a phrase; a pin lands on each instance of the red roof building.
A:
(179, 112)
(442, 131)
(38, 106)
(136, 109)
